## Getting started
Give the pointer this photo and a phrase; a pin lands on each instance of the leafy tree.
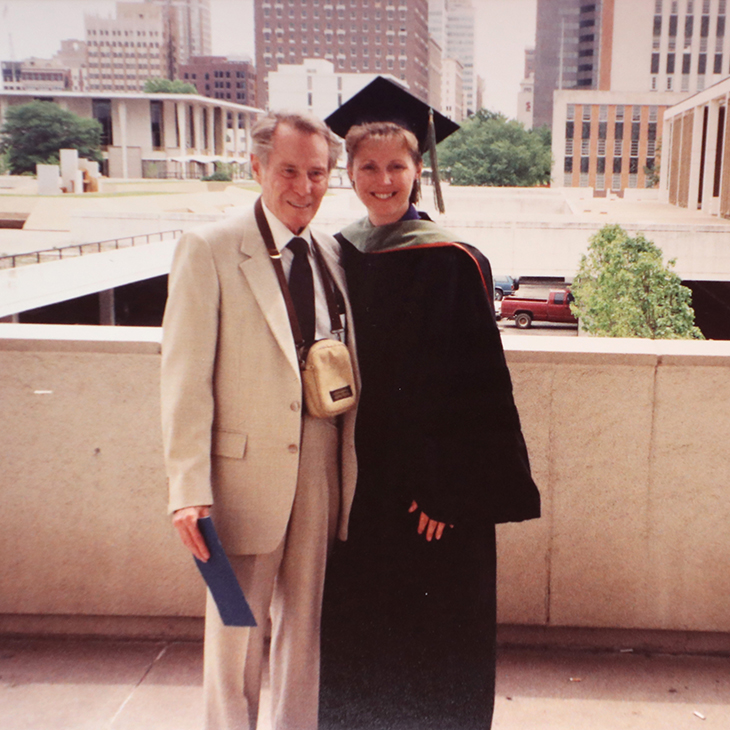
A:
(168, 86)
(623, 289)
(490, 149)
(34, 133)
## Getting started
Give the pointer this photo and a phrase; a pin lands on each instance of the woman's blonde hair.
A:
(385, 130)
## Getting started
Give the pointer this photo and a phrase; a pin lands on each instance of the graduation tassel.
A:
(431, 146)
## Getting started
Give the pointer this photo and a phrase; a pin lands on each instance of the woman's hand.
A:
(427, 525)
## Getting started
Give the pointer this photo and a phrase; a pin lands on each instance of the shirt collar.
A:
(281, 234)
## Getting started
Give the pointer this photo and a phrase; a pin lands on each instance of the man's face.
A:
(295, 179)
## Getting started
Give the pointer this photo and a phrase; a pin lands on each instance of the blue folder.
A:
(218, 574)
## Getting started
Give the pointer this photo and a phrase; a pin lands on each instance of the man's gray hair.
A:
(262, 134)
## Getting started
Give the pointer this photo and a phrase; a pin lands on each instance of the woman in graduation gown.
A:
(409, 615)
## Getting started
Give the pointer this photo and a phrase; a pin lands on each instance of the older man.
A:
(238, 441)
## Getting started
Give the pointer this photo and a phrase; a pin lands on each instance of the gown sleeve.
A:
(458, 441)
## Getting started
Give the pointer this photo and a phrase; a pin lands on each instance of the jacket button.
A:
(296, 405)
(293, 448)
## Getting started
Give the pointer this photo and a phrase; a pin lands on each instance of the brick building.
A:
(221, 78)
(369, 36)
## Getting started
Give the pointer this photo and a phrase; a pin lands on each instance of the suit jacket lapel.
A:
(261, 278)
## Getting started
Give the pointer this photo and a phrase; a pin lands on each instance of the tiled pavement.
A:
(72, 684)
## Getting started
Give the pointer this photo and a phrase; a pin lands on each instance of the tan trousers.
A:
(287, 584)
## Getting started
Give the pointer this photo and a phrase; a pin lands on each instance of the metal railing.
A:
(79, 249)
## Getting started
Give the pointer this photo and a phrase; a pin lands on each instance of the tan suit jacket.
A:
(231, 386)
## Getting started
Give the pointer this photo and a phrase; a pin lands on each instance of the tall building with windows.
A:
(126, 50)
(188, 26)
(368, 36)
(148, 38)
(451, 23)
(628, 45)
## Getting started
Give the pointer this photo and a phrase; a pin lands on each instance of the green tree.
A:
(34, 133)
(623, 289)
(490, 149)
(168, 86)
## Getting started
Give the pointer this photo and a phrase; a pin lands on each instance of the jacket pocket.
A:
(229, 443)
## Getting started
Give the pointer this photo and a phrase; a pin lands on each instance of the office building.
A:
(452, 90)
(451, 23)
(125, 51)
(607, 140)
(188, 28)
(35, 74)
(628, 45)
(157, 135)
(695, 171)
(356, 36)
(221, 78)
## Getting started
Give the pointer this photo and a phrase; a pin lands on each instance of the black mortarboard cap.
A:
(383, 100)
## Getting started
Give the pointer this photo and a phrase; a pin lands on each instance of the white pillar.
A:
(123, 137)
(182, 120)
(236, 132)
(710, 151)
(247, 125)
(198, 129)
(694, 170)
(210, 111)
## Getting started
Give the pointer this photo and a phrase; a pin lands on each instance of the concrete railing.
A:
(628, 441)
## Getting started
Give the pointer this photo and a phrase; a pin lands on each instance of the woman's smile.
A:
(383, 174)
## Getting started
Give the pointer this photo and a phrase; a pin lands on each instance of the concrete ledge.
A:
(177, 628)
(619, 640)
(80, 338)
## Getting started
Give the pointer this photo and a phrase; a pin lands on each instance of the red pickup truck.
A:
(523, 310)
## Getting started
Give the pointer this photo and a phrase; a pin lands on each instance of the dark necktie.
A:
(301, 287)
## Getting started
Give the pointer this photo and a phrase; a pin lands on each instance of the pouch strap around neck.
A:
(329, 285)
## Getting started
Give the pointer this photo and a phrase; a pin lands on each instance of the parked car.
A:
(504, 286)
(556, 308)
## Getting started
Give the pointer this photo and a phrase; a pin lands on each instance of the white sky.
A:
(504, 29)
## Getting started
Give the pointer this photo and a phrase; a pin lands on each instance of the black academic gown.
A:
(408, 627)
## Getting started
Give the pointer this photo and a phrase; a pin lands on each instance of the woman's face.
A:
(383, 174)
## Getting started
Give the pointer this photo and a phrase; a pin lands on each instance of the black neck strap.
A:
(329, 285)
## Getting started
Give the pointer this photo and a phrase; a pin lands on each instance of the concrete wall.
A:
(628, 442)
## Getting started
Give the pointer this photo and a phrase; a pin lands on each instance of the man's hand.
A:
(186, 523)
(425, 523)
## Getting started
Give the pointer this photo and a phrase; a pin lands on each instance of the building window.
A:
(616, 182)
(705, 26)
(672, 26)
(702, 64)
(617, 165)
(101, 110)
(618, 134)
(568, 165)
(657, 25)
(670, 63)
(655, 63)
(156, 124)
(686, 63)
(717, 68)
(688, 26)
